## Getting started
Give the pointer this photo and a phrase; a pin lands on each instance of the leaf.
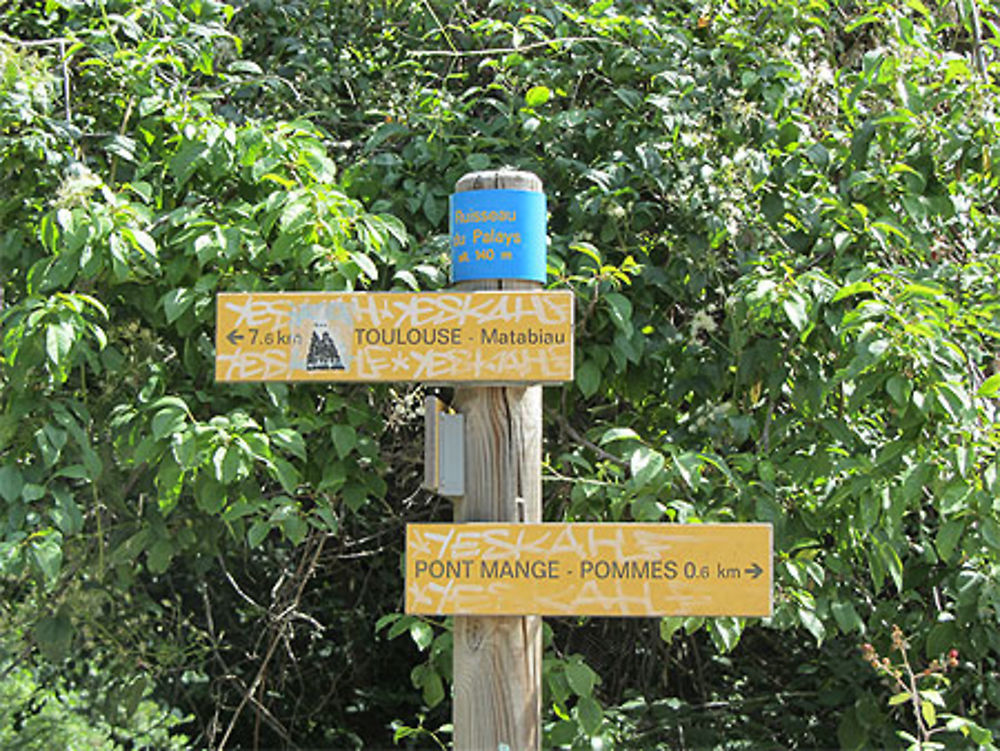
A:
(401, 626)
(477, 162)
(893, 564)
(856, 288)
(942, 637)
(537, 96)
(176, 302)
(184, 162)
(295, 528)
(590, 714)
(899, 698)
(689, 463)
(143, 241)
(286, 474)
(245, 66)
(54, 634)
(581, 678)
(795, 308)
(66, 513)
(257, 532)
(386, 620)
(954, 398)
(210, 495)
(289, 440)
(122, 147)
(646, 465)
(434, 209)
(296, 214)
(422, 634)
(345, 439)
(948, 536)
(159, 555)
(725, 633)
(228, 467)
(621, 311)
(588, 250)
(846, 616)
(933, 696)
(990, 529)
(588, 378)
(813, 624)
(899, 389)
(670, 626)
(990, 387)
(32, 492)
(618, 434)
(365, 263)
(432, 689)
(168, 421)
(47, 553)
(170, 401)
(10, 483)
(851, 733)
(59, 338)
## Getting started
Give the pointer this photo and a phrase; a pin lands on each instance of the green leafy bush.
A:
(779, 220)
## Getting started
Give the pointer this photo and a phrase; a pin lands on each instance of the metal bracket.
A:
(444, 449)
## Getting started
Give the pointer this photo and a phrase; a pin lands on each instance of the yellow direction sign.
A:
(589, 569)
(433, 337)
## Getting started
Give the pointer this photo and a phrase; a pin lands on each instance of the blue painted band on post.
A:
(497, 234)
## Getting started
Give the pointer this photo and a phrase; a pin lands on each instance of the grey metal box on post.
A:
(444, 449)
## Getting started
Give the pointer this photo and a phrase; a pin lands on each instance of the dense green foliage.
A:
(779, 220)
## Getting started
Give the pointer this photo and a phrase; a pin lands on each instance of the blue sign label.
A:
(497, 234)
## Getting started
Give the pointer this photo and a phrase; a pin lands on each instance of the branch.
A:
(509, 50)
(307, 566)
(65, 72)
(977, 41)
(576, 436)
(765, 437)
(53, 42)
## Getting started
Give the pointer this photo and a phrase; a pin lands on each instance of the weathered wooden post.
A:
(498, 659)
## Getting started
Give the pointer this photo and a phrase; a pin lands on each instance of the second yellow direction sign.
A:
(432, 337)
(588, 569)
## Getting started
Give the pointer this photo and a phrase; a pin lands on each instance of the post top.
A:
(505, 179)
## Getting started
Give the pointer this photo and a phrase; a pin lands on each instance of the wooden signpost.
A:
(498, 660)
(496, 336)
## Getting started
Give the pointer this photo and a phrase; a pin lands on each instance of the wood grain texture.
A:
(498, 660)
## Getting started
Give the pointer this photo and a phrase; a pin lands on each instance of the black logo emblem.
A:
(323, 353)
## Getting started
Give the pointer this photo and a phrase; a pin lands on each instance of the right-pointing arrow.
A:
(755, 570)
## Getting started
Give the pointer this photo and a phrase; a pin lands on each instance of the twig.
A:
(66, 90)
(765, 436)
(304, 573)
(508, 50)
(228, 674)
(441, 28)
(235, 586)
(576, 436)
(53, 42)
(977, 41)
(16, 661)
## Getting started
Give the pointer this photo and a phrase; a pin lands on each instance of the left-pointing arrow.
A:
(234, 336)
(755, 570)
